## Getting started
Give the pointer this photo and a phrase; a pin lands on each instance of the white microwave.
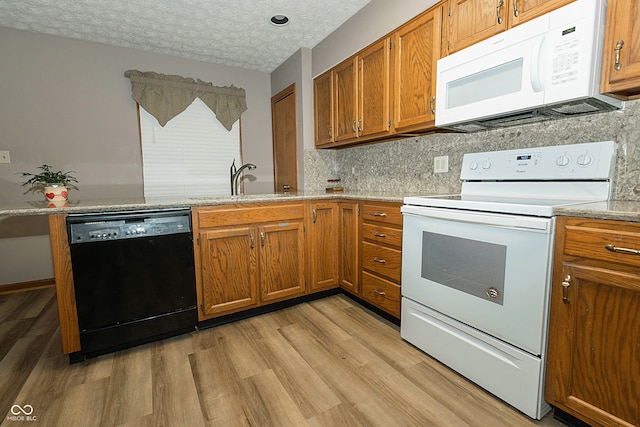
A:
(546, 68)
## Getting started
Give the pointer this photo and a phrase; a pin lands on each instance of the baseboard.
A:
(27, 286)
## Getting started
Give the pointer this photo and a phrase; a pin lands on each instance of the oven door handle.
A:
(482, 218)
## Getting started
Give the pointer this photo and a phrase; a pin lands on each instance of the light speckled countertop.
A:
(621, 210)
(614, 209)
(105, 205)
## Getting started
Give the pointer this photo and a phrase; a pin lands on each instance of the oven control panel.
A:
(587, 161)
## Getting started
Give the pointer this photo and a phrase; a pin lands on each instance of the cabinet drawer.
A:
(382, 234)
(381, 293)
(389, 214)
(590, 242)
(382, 260)
(246, 214)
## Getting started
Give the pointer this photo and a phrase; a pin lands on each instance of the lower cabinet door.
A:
(281, 260)
(229, 271)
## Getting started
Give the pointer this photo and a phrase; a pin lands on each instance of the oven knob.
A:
(585, 160)
(473, 166)
(563, 161)
(487, 165)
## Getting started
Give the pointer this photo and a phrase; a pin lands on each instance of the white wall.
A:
(66, 103)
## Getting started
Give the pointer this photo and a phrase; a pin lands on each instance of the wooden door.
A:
(622, 78)
(349, 246)
(373, 119)
(323, 109)
(594, 345)
(281, 260)
(345, 108)
(229, 270)
(470, 21)
(417, 50)
(521, 11)
(285, 139)
(323, 248)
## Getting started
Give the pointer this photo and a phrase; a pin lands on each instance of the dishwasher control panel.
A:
(117, 226)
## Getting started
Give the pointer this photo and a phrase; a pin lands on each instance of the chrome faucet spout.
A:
(235, 175)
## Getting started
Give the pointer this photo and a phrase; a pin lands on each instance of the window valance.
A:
(165, 96)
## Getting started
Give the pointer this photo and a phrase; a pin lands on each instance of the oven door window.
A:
(471, 266)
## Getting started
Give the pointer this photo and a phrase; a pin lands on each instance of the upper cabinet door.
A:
(473, 20)
(521, 11)
(373, 89)
(621, 55)
(417, 50)
(323, 108)
(346, 87)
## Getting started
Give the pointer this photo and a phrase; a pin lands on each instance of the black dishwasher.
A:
(134, 278)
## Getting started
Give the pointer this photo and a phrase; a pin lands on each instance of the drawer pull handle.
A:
(627, 251)
(253, 240)
(262, 238)
(315, 216)
(380, 260)
(382, 214)
(565, 289)
(375, 233)
(381, 293)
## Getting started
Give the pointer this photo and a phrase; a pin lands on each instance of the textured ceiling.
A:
(230, 32)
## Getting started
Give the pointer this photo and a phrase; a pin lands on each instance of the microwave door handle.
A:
(536, 65)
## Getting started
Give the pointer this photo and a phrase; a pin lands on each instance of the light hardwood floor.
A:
(329, 362)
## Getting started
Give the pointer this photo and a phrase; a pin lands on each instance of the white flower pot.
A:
(55, 193)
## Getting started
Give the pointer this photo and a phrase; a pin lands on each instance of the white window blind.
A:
(190, 156)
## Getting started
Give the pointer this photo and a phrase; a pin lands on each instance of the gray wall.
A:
(66, 103)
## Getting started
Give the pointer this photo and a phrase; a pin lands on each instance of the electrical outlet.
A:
(5, 157)
(441, 164)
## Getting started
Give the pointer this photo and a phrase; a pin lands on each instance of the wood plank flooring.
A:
(329, 362)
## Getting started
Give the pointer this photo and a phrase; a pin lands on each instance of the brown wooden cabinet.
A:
(323, 237)
(362, 94)
(348, 246)
(594, 340)
(323, 108)
(621, 53)
(248, 255)
(470, 21)
(386, 89)
(416, 52)
(381, 255)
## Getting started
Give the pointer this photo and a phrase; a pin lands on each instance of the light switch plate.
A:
(441, 164)
(5, 157)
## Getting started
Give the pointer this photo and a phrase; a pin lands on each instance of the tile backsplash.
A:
(406, 165)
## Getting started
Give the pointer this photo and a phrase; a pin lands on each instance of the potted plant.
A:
(54, 184)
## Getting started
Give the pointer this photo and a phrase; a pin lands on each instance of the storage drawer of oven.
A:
(382, 293)
(381, 234)
(389, 214)
(608, 245)
(381, 260)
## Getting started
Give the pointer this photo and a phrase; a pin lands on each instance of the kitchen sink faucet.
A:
(235, 175)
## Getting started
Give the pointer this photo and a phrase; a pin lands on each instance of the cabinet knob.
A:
(565, 289)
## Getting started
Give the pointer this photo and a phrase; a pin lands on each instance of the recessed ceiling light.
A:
(279, 20)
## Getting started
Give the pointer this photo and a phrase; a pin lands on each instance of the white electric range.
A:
(476, 267)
